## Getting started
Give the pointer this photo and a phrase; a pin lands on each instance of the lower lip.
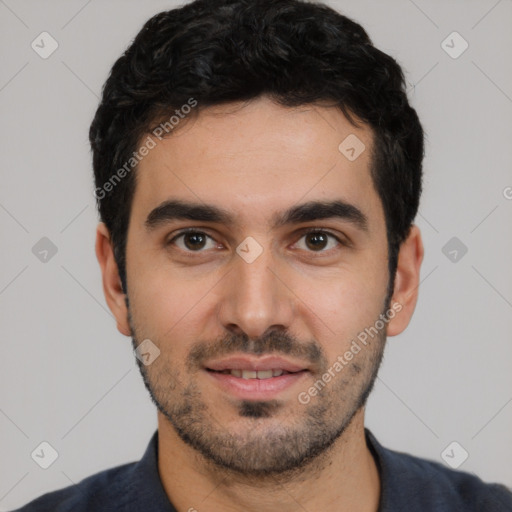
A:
(256, 389)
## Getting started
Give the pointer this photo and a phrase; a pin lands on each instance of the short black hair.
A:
(220, 51)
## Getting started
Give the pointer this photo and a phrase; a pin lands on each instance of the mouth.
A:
(254, 374)
(255, 379)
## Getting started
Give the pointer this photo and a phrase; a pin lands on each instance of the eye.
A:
(317, 240)
(192, 240)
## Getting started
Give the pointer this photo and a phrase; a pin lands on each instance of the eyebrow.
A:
(313, 210)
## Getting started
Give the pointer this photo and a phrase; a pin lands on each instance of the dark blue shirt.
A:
(408, 484)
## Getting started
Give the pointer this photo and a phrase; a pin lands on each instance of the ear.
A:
(407, 281)
(112, 287)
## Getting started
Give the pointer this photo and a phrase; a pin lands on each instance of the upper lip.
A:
(247, 363)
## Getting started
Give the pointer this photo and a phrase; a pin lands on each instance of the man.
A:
(258, 171)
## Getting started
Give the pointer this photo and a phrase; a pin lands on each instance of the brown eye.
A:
(316, 240)
(194, 241)
(319, 241)
(191, 241)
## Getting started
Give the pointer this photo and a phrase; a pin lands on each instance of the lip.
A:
(255, 389)
(255, 364)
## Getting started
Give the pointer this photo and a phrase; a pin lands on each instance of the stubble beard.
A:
(268, 447)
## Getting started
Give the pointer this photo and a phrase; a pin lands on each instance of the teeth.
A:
(264, 374)
(252, 374)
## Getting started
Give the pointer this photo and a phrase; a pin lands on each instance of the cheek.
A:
(163, 304)
(341, 307)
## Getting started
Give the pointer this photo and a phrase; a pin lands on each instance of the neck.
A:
(344, 478)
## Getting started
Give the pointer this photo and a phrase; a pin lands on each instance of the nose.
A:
(255, 297)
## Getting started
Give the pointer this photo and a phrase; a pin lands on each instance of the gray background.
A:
(69, 378)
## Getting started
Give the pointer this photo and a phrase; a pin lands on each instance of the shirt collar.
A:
(399, 477)
(145, 490)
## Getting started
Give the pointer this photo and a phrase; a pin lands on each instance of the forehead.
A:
(257, 159)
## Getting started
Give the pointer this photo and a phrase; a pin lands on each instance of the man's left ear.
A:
(407, 281)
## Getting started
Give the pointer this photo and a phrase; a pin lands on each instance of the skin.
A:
(255, 159)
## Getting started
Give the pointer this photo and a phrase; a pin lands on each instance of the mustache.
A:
(270, 343)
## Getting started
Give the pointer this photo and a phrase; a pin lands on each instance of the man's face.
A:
(250, 293)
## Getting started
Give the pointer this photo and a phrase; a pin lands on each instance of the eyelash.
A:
(303, 233)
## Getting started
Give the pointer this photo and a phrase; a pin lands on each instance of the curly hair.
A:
(292, 51)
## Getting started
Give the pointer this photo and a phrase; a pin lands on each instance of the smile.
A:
(253, 374)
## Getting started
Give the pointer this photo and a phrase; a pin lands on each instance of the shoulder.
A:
(447, 489)
(412, 483)
(128, 487)
(102, 491)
